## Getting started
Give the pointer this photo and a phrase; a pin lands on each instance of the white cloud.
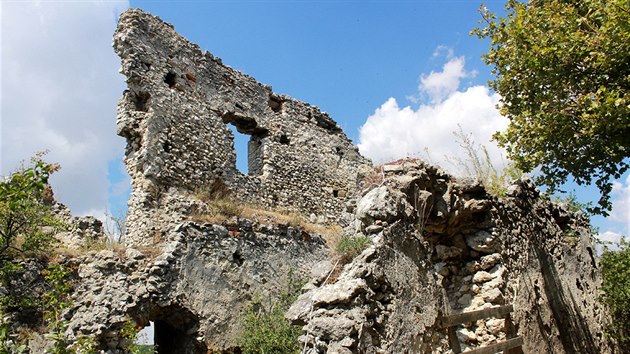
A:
(393, 131)
(443, 50)
(610, 239)
(621, 203)
(439, 85)
(60, 86)
(610, 236)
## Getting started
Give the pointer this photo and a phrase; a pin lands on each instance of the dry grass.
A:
(375, 178)
(215, 190)
(221, 210)
(151, 252)
(90, 246)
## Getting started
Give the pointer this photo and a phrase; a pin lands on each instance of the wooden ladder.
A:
(512, 345)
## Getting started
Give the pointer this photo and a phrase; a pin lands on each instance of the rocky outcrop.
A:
(445, 246)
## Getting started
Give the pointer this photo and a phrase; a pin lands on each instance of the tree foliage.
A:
(562, 68)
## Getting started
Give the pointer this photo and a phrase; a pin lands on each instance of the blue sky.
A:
(398, 76)
(347, 57)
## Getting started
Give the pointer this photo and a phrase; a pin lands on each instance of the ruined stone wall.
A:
(195, 288)
(175, 115)
(442, 246)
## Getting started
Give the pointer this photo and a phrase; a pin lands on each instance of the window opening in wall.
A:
(275, 103)
(240, 148)
(248, 143)
(167, 146)
(141, 101)
(238, 258)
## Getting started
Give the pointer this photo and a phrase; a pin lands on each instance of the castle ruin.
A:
(439, 246)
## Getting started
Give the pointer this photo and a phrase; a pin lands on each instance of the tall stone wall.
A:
(175, 116)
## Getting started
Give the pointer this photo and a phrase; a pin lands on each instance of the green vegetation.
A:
(561, 68)
(27, 225)
(8, 343)
(55, 301)
(351, 246)
(616, 291)
(572, 203)
(266, 330)
(27, 229)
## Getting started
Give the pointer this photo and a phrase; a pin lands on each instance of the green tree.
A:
(562, 68)
(616, 291)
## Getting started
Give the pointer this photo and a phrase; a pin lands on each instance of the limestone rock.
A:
(381, 204)
(341, 292)
(445, 252)
(482, 241)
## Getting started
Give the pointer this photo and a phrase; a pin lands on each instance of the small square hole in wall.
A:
(170, 79)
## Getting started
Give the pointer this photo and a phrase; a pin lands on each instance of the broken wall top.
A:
(175, 116)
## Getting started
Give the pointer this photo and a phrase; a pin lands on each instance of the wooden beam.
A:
(495, 348)
(454, 320)
(453, 340)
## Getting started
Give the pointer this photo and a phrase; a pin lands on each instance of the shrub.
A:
(129, 332)
(27, 224)
(351, 246)
(266, 330)
(572, 203)
(116, 226)
(8, 343)
(55, 301)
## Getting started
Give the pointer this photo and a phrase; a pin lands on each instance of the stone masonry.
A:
(175, 116)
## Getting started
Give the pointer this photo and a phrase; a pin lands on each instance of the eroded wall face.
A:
(442, 246)
(174, 116)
